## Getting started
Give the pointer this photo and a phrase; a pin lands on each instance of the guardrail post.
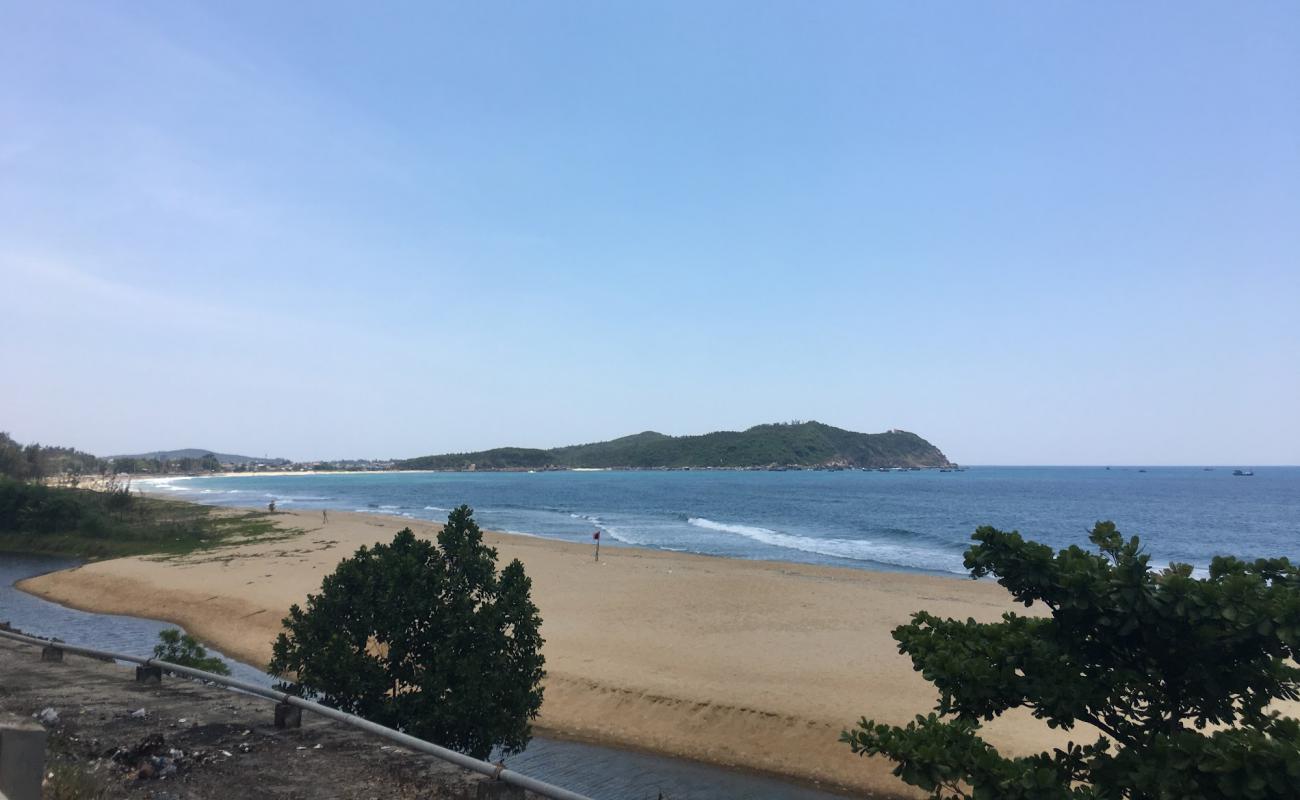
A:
(148, 674)
(287, 716)
(22, 758)
(51, 653)
(22, 754)
(497, 790)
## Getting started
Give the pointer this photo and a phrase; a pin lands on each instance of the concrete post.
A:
(498, 790)
(287, 716)
(148, 674)
(51, 653)
(22, 758)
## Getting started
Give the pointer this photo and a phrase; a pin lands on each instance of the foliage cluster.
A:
(794, 444)
(35, 462)
(179, 648)
(137, 465)
(426, 638)
(1174, 674)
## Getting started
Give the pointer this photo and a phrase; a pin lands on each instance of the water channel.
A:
(605, 773)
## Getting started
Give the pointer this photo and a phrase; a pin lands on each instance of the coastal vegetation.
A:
(427, 638)
(190, 460)
(175, 647)
(69, 466)
(37, 462)
(1174, 673)
(141, 465)
(795, 444)
(60, 520)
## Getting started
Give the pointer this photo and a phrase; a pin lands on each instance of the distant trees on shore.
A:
(1150, 660)
(427, 638)
(35, 462)
(135, 465)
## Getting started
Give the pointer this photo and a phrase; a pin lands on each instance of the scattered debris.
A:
(195, 742)
(47, 716)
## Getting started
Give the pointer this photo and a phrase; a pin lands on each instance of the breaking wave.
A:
(892, 553)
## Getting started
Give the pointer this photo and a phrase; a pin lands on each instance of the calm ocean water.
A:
(902, 521)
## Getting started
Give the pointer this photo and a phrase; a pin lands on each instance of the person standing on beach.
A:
(324, 516)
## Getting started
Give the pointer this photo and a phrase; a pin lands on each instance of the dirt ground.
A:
(200, 742)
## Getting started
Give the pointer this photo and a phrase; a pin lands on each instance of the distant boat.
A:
(1243, 473)
(1141, 470)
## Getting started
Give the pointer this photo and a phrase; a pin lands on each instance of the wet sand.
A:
(745, 663)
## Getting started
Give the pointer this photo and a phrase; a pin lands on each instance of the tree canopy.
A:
(426, 638)
(175, 647)
(35, 461)
(1174, 675)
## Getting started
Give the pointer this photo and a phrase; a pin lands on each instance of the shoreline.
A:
(552, 734)
(755, 665)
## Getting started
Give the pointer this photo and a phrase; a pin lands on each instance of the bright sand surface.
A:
(746, 663)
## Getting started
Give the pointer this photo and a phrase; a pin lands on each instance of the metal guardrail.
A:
(494, 771)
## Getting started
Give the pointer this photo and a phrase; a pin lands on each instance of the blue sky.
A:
(1048, 233)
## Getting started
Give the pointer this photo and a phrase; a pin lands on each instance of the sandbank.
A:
(751, 664)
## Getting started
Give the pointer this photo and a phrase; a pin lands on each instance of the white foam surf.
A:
(891, 553)
(628, 537)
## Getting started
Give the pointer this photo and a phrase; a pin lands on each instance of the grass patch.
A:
(98, 525)
(73, 774)
(74, 781)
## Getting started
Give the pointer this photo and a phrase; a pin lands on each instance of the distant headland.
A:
(776, 446)
(793, 445)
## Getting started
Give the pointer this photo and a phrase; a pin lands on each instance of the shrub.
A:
(1174, 674)
(184, 650)
(426, 638)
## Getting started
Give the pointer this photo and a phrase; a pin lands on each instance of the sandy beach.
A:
(753, 664)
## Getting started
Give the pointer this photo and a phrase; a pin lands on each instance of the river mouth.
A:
(596, 770)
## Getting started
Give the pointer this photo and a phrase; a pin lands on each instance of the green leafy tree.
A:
(180, 648)
(13, 463)
(427, 638)
(1173, 674)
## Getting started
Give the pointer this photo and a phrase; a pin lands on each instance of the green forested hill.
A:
(195, 453)
(805, 444)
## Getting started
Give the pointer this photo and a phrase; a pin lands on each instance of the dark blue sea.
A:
(915, 521)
